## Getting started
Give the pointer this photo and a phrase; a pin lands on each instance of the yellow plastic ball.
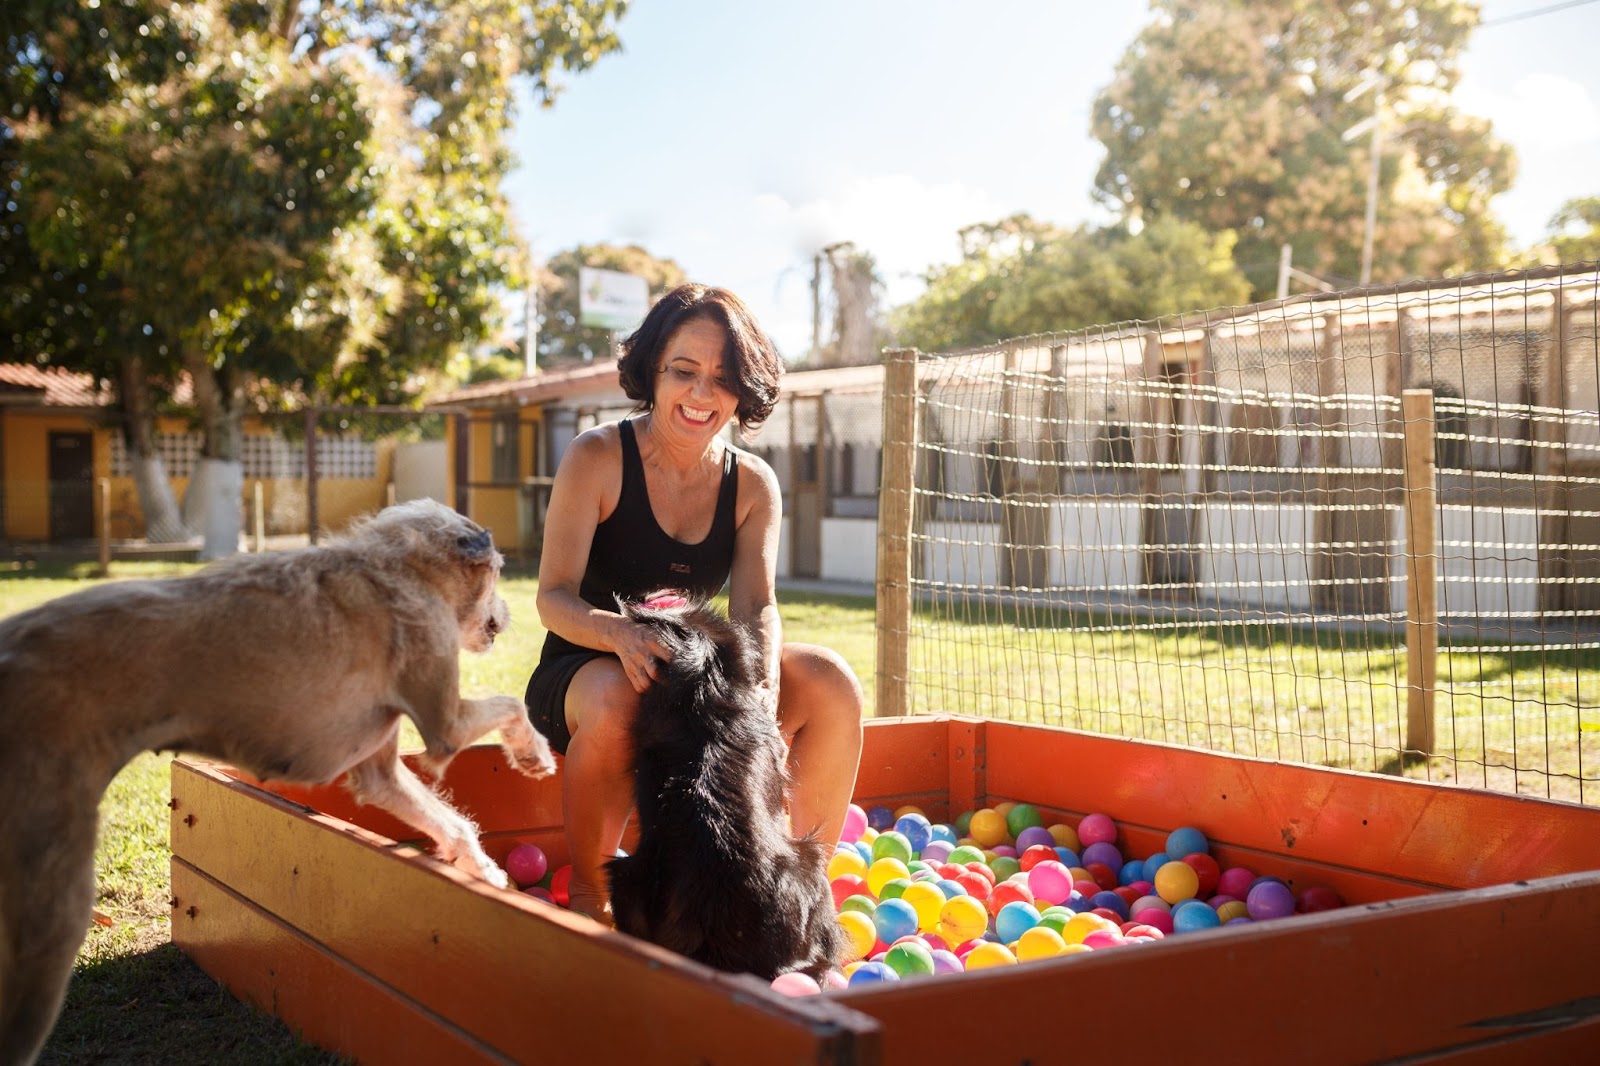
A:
(1233, 909)
(883, 871)
(868, 835)
(967, 842)
(1077, 949)
(988, 828)
(1004, 807)
(988, 955)
(1065, 837)
(1177, 881)
(961, 918)
(1040, 942)
(926, 899)
(859, 934)
(910, 808)
(1081, 925)
(846, 862)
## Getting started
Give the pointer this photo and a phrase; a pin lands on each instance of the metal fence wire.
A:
(1281, 531)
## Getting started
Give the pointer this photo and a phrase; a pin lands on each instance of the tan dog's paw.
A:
(528, 750)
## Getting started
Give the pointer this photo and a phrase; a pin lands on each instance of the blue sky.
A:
(739, 137)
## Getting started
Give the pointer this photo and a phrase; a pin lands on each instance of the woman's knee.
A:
(601, 706)
(816, 681)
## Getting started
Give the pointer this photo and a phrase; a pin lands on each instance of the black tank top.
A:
(632, 555)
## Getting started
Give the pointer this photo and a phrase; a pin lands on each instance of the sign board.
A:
(611, 299)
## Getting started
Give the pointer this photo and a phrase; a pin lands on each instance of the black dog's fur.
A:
(717, 876)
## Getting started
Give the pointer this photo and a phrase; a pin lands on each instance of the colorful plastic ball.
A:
(1050, 882)
(859, 902)
(1054, 919)
(796, 984)
(962, 918)
(1081, 925)
(1145, 903)
(988, 955)
(860, 934)
(942, 831)
(1102, 874)
(1034, 836)
(1154, 918)
(1177, 881)
(879, 818)
(1235, 881)
(894, 888)
(896, 918)
(855, 820)
(962, 823)
(864, 849)
(908, 808)
(926, 899)
(1140, 931)
(1096, 829)
(558, 886)
(1033, 856)
(1004, 866)
(983, 870)
(1152, 863)
(847, 885)
(1112, 902)
(1008, 892)
(1100, 939)
(540, 893)
(882, 872)
(937, 850)
(846, 861)
(1022, 817)
(1132, 870)
(1206, 869)
(977, 886)
(1065, 836)
(1233, 909)
(1194, 917)
(1102, 853)
(910, 959)
(1039, 942)
(527, 864)
(1014, 919)
(916, 829)
(945, 961)
(1068, 858)
(988, 828)
(1269, 899)
(1216, 901)
(966, 853)
(950, 887)
(1128, 893)
(871, 973)
(892, 845)
(1319, 898)
(833, 980)
(1078, 902)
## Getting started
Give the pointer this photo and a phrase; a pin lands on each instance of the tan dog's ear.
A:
(475, 548)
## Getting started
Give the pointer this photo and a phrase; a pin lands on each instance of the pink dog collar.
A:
(665, 601)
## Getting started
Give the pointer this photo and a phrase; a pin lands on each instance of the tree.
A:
(563, 339)
(301, 202)
(1020, 276)
(1575, 230)
(1231, 114)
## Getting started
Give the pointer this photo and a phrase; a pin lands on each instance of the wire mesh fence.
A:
(1210, 530)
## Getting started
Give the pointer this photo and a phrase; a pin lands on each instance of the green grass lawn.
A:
(1522, 720)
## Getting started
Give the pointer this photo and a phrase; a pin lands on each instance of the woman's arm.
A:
(752, 586)
(589, 476)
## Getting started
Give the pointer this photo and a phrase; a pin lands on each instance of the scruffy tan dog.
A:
(296, 666)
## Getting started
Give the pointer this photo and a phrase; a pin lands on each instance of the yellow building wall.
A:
(25, 447)
(498, 508)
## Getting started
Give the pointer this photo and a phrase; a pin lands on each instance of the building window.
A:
(505, 439)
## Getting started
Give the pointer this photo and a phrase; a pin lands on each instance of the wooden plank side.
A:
(328, 1002)
(531, 981)
(1443, 975)
(1412, 831)
(904, 757)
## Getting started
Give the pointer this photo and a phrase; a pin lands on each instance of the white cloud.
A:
(1539, 113)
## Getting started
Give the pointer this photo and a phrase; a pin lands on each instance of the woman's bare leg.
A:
(597, 780)
(819, 710)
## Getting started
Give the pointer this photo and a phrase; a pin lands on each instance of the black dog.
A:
(717, 876)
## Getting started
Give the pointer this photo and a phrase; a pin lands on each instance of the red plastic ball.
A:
(1206, 869)
(846, 885)
(1035, 855)
(1008, 892)
(1319, 898)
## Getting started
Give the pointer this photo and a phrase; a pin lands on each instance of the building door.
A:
(808, 464)
(71, 486)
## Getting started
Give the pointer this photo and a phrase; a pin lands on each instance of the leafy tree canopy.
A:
(1020, 276)
(1231, 114)
(563, 339)
(1575, 230)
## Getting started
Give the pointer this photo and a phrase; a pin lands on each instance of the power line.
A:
(1534, 13)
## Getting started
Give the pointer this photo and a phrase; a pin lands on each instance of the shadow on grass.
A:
(159, 1007)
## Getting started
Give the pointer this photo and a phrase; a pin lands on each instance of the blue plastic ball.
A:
(941, 831)
(916, 829)
(864, 850)
(1068, 857)
(1014, 919)
(880, 818)
(1078, 902)
(1152, 863)
(894, 919)
(1132, 870)
(1111, 902)
(951, 889)
(1188, 919)
(869, 973)
(1186, 840)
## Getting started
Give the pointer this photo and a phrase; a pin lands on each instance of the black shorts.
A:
(547, 694)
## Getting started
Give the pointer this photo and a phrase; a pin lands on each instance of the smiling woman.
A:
(660, 501)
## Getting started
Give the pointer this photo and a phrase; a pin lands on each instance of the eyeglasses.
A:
(683, 375)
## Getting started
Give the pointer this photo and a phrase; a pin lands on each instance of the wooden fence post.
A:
(896, 504)
(104, 487)
(1422, 557)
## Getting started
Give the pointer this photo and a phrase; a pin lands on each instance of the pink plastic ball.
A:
(855, 823)
(1235, 881)
(526, 863)
(1097, 829)
(1050, 882)
(835, 979)
(945, 961)
(1103, 938)
(1155, 919)
(796, 984)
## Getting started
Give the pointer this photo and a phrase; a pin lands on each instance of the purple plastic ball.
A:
(1103, 853)
(1269, 899)
(1034, 834)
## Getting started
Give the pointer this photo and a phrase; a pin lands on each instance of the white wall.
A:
(962, 554)
(1499, 576)
(850, 549)
(1095, 544)
(1255, 555)
(422, 470)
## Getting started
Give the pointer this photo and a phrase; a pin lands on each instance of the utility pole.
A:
(1372, 82)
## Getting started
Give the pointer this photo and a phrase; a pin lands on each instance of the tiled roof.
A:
(49, 386)
(540, 388)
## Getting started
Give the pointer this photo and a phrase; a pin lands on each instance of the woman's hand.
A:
(640, 652)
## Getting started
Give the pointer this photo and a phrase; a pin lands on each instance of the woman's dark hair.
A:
(749, 359)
